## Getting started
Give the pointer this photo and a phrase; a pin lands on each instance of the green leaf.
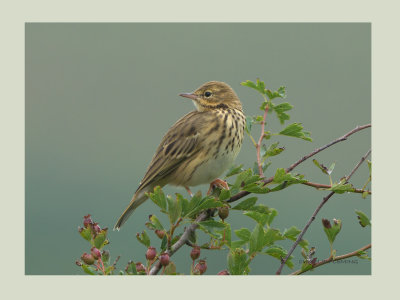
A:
(209, 202)
(234, 170)
(88, 270)
(156, 222)
(258, 217)
(363, 219)
(242, 177)
(243, 234)
(131, 268)
(248, 124)
(281, 176)
(256, 188)
(280, 110)
(321, 167)
(158, 198)
(256, 241)
(174, 209)
(271, 236)
(237, 244)
(246, 204)
(291, 233)
(164, 243)
(238, 263)
(184, 203)
(296, 130)
(280, 253)
(363, 255)
(341, 187)
(143, 238)
(272, 215)
(332, 230)
(272, 150)
(86, 233)
(211, 224)
(258, 86)
(224, 195)
(170, 269)
(100, 239)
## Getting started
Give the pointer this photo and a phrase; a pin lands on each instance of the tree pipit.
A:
(199, 147)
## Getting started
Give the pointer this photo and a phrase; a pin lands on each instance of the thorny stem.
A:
(331, 259)
(324, 200)
(258, 145)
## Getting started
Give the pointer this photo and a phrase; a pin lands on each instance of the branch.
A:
(331, 259)
(304, 158)
(324, 200)
(182, 240)
(327, 186)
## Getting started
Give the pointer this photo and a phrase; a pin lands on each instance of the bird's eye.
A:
(207, 94)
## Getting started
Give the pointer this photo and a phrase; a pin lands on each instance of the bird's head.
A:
(214, 95)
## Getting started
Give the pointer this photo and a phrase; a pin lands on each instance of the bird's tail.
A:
(137, 200)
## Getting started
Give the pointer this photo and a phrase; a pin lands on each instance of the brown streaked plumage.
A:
(199, 147)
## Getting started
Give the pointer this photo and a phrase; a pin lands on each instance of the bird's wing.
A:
(181, 142)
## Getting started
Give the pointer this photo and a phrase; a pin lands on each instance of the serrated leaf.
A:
(143, 238)
(86, 233)
(341, 187)
(272, 150)
(242, 177)
(174, 209)
(363, 219)
(100, 239)
(131, 268)
(156, 222)
(280, 253)
(271, 216)
(238, 262)
(258, 85)
(280, 111)
(256, 188)
(237, 244)
(332, 230)
(184, 203)
(234, 170)
(158, 198)
(291, 233)
(243, 233)
(246, 204)
(209, 202)
(271, 236)
(258, 217)
(296, 130)
(321, 167)
(256, 241)
(211, 224)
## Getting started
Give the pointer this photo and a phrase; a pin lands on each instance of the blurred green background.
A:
(99, 98)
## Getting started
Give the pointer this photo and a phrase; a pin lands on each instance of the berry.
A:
(140, 267)
(195, 253)
(95, 252)
(223, 272)
(200, 267)
(151, 253)
(87, 258)
(223, 212)
(164, 259)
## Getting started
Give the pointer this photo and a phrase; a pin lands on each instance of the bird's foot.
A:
(189, 191)
(217, 183)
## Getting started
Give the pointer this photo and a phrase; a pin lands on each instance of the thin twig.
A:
(331, 259)
(327, 186)
(258, 145)
(182, 240)
(269, 180)
(324, 200)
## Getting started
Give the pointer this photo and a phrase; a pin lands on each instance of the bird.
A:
(198, 148)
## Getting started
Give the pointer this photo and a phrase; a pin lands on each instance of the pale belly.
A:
(212, 169)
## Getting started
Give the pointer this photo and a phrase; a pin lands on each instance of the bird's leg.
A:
(218, 183)
(189, 191)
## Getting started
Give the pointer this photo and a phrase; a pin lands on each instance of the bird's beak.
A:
(189, 95)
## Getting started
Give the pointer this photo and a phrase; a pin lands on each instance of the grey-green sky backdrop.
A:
(99, 97)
